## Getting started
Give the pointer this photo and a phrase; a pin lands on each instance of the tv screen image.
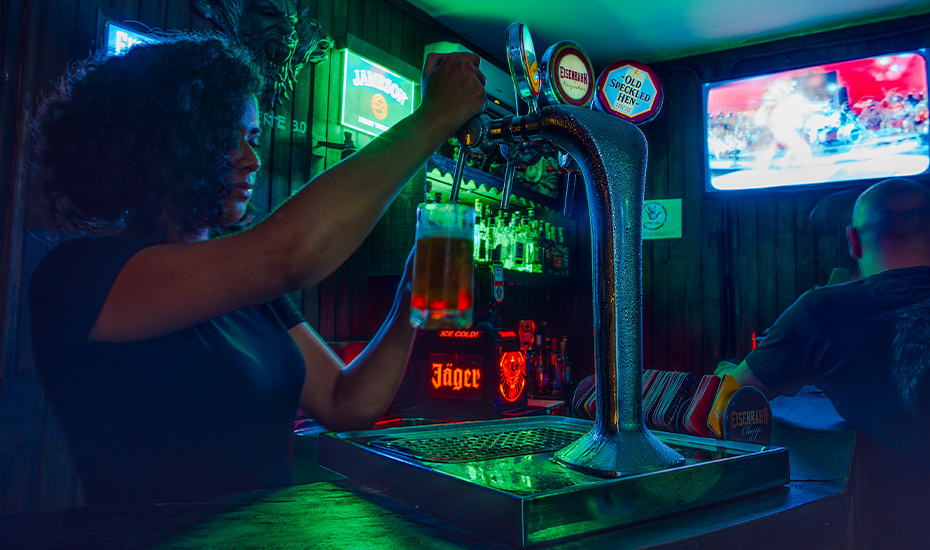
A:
(827, 124)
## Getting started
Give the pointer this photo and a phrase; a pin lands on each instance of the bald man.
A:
(866, 344)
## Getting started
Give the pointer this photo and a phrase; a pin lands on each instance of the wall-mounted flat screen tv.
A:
(825, 125)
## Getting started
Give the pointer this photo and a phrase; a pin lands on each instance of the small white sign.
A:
(662, 219)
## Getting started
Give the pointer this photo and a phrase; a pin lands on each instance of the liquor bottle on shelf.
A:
(563, 252)
(540, 368)
(566, 364)
(498, 242)
(546, 248)
(556, 266)
(518, 246)
(481, 233)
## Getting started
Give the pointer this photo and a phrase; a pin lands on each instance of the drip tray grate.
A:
(482, 446)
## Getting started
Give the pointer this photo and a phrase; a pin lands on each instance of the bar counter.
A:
(812, 511)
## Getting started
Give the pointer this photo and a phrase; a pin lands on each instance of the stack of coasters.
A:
(698, 411)
(583, 393)
(651, 399)
(676, 391)
(588, 401)
(715, 420)
(649, 377)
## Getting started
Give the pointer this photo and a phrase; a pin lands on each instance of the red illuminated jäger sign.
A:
(454, 376)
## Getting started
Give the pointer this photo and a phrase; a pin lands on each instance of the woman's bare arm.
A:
(354, 397)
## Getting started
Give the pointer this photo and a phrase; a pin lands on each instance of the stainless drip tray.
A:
(498, 476)
(481, 446)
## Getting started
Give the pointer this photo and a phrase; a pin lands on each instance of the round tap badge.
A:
(567, 76)
(521, 57)
(629, 90)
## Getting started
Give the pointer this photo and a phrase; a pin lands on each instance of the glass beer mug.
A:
(443, 268)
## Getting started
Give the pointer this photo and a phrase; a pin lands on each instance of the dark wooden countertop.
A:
(809, 512)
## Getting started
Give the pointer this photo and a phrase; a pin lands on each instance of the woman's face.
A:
(245, 163)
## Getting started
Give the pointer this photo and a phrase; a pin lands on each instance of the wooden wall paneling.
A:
(713, 281)
(318, 74)
(301, 150)
(10, 49)
(785, 253)
(353, 284)
(656, 251)
(370, 21)
(70, 31)
(152, 13)
(396, 45)
(692, 225)
(355, 17)
(411, 50)
(178, 14)
(323, 88)
(679, 255)
(747, 275)
(340, 15)
(768, 262)
(804, 244)
(128, 9)
(357, 271)
(282, 144)
(826, 246)
(13, 41)
(83, 30)
(382, 37)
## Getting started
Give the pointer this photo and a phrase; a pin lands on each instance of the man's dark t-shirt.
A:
(866, 344)
(204, 410)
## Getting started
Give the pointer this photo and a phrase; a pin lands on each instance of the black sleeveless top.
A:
(205, 410)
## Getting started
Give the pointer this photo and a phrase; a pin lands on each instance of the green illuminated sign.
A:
(373, 98)
(662, 219)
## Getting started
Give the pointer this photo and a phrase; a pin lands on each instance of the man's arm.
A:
(744, 376)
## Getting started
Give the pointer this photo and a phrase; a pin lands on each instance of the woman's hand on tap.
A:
(452, 89)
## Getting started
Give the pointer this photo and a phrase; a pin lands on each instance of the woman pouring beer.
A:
(171, 359)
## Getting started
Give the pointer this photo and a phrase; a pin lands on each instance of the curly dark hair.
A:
(142, 141)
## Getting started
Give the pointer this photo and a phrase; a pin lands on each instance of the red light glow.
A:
(445, 375)
(513, 375)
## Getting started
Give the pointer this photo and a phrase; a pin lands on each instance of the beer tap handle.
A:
(457, 176)
(471, 138)
(569, 193)
(508, 184)
(572, 169)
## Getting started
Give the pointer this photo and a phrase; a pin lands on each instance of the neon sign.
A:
(454, 376)
(460, 333)
(373, 98)
(513, 375)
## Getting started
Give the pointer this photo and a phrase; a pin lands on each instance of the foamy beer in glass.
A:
(443, 267)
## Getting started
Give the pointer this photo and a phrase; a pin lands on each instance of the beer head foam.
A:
(452, 221)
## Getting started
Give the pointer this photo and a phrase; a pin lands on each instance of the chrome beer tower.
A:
(611, 155)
